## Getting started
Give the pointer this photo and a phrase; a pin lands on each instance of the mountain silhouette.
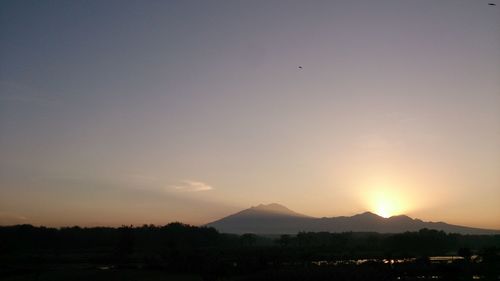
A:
(278, 219)
(271, 210)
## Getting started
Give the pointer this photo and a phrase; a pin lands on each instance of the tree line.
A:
(178, 247)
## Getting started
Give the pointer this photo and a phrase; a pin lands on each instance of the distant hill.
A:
(278, 219)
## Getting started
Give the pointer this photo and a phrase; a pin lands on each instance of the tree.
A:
(248, 239)
(466, 253)
(284, 240)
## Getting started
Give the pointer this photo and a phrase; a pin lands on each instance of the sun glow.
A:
(386, 203)
(386, 207)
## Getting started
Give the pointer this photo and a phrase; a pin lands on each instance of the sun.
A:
(386, 204)
(384, 208)
(387, 198)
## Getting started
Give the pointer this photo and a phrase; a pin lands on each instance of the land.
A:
(182, 252)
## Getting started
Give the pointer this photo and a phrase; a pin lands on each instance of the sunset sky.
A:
(132, 112)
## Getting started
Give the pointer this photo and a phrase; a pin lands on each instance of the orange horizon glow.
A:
(386, 200)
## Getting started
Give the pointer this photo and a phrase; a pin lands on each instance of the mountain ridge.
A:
(277, 219)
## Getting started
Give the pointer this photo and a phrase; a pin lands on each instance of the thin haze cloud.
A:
(192, 186)
(11, 218)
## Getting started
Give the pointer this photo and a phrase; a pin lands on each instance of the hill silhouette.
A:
(278, 219)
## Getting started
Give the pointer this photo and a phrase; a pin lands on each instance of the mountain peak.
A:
(401, 218)
(271, 207)
(367, 214)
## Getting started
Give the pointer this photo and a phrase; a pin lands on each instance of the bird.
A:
(492, 4)
(300, 67)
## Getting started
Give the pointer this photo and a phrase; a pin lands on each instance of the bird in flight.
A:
(300, 67)
(492, 4)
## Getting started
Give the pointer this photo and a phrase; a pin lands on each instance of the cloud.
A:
(11, 218)
(192, 186)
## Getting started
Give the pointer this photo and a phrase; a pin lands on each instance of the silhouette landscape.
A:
(277, 219)
(182, 252)
(264, 242)
(134, 136)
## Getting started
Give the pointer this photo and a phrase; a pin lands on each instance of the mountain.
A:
(271, 210)
(278, 219)
(269, 219)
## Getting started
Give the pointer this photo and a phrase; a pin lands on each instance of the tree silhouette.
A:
(466, 253)
(284, 240)
(248, 239)
(126, 241)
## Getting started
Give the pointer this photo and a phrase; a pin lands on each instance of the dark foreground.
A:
(182, 252)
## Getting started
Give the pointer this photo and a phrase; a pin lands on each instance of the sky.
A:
(133, 112)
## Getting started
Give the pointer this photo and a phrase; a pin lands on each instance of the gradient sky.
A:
(132, 112)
